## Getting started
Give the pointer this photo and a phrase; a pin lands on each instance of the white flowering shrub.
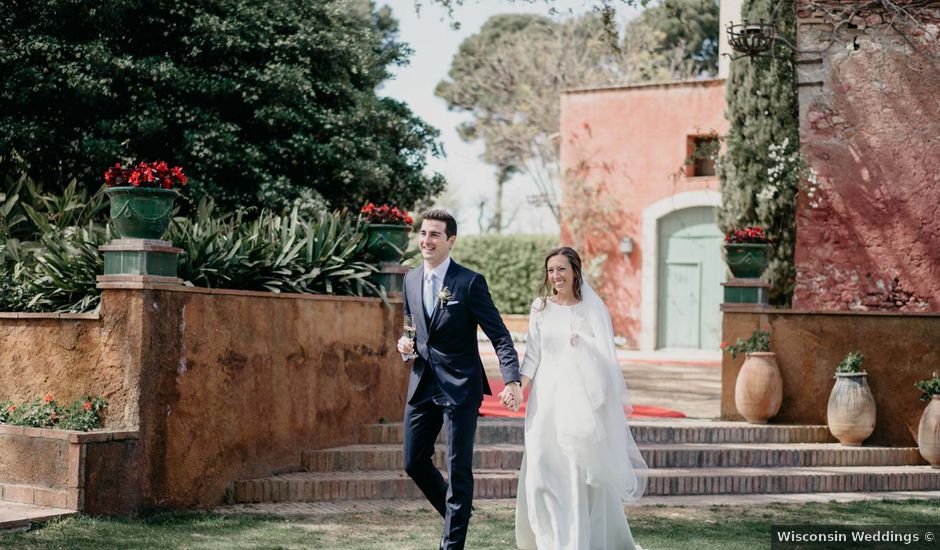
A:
(789, 170)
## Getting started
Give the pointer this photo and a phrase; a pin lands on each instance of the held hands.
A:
(511, 396)
(406, 346)
(575, 338)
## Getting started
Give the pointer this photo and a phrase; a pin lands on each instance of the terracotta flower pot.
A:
(851, 411)
(928, 433)
(758, 391)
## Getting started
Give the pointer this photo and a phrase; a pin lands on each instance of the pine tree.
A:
(760, 170)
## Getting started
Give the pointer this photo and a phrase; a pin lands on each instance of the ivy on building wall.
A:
(761, 170)
(592, 215)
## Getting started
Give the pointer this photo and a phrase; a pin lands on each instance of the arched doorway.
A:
(689, 277)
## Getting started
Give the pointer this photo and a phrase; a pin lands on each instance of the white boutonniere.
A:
(443, 297)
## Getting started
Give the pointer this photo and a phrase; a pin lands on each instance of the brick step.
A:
(503, 456)
(776, 455)
(38, 496)
(382, 484)
(739, 481)
(16, 516)
(673, 431)
(493, 456)
(362, 485)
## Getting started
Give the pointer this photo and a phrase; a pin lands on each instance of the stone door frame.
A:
(649, 290)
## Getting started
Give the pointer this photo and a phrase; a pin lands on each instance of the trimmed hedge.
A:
(512, 264)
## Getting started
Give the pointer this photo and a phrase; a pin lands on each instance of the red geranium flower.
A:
(47, 398)
(752, 235)
(86, 405)
(155, 174)
(386, 214)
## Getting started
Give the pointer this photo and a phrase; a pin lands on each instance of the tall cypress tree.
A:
(758, 184)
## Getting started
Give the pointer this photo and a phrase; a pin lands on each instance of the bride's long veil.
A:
(592, 428)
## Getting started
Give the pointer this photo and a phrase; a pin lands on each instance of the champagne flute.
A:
(410, 332)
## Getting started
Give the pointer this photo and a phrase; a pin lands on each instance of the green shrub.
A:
(270, 103)
(14, 296)
(48, 246)
(49, 258)
(512, 264)
(29, 210)
(63, 274)
(82, 415)
(930, 387)
(57, 275)
(322, 255)
(852, 363)
(757, 343)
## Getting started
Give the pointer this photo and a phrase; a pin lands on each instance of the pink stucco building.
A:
(641, 207)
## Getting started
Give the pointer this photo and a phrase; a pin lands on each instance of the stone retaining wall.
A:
(220, 385)
(900, 349)
(66, 469)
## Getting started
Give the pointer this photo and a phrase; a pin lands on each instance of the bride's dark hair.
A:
(547, 289)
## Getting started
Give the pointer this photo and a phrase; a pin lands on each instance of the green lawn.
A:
(655, 528)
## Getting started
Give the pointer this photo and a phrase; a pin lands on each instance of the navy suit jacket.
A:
(447, 342)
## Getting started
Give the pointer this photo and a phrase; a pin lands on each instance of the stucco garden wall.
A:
(218, 385)
(241, 383)
(899, 351)
(868, 125)
(71, 355)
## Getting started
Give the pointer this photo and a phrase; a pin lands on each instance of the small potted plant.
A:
(928, 432)
(758, 390)
(851, 411)
(747, 252)
(142, 198)
(388, 228)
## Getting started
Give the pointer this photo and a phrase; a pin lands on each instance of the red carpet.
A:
(493, 408)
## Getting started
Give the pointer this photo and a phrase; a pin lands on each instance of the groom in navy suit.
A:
(447, 381)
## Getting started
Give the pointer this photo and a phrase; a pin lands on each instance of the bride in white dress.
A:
(581, 462)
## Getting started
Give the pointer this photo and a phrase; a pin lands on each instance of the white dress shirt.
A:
(438, 272)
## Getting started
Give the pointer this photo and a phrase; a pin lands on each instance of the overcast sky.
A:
(434, 42)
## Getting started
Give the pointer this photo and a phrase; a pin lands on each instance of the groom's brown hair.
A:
(450, 224)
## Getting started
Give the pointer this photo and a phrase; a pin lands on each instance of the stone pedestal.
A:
(139, 261)
(391, 276)
(746, 291)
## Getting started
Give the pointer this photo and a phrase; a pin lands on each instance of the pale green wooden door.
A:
(689, 278)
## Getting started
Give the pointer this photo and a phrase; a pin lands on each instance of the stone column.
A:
(139, 261)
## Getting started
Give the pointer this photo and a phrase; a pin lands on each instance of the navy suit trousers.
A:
(424, 417)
